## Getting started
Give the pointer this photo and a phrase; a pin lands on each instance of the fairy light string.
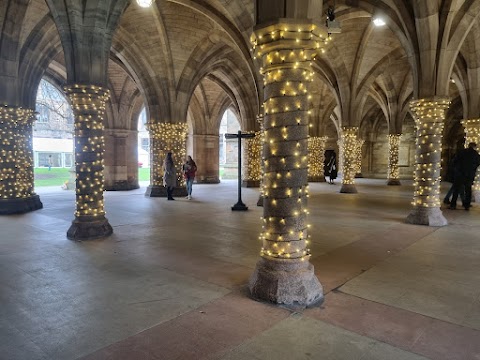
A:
(286, 51)
(393, 157)
(429, 117)
(16, 152)
(349, 152)
(164, 138)
(252, 171)
(316, 157)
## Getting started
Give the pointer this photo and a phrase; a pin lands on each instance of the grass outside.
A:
(54, 177)
(58, 176)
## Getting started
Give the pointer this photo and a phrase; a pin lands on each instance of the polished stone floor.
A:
(170, 282)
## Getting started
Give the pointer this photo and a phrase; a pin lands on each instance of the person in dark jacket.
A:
(332, 167)
(465, 168)
(169, 175)
(189, 170)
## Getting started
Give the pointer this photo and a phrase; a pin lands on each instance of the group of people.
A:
(189, 168)
(462, 175)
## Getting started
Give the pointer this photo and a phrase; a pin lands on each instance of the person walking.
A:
(450, 178)
(189, 170)
(169, 175)
(332, 167)
(465, 168)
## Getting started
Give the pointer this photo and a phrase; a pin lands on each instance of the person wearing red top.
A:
(189, 170)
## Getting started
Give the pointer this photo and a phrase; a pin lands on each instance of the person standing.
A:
(465, 168)
(189, 170)
(332, 167)
(50, 162)
(169, 175)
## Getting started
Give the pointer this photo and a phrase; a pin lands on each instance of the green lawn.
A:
(54, 177)
(58, 176)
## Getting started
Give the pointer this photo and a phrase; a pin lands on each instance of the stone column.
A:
(472, 134)
(358, 154)
(88, 104)
(316, 158)
(284, 274)
(252, 160)
(393, 150)
(16, 162)
(429, 117)
(206, 156)
(164, 138)
(121, 160)
(349, 154)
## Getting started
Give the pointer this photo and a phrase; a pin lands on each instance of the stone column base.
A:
(316, 179)
(393, 182)
(208, 180)
(289, 282)
(161, 191)
(250, 183)
(358, 176)
(426, 216)
(20, 205)
(89, 229)
(122, 185)
(348, 189)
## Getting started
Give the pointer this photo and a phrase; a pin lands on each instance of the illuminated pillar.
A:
(88, 104)
(472, 134)
(16, 162)
(393, 151)
(349, 152)
(252, 160)
(429, 117)
(358, 154)
(164, 138)
(284, 275)
(316, 158)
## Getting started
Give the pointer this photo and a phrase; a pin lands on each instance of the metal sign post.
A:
(239, 206)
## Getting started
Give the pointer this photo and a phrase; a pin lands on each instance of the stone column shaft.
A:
(359, 158)
(316, 158)
(429, 117)
(472, 134)
(283, 274)
(16, 162)
(393, 152)
(164, 138)
(88, 104)
(252, 164)
(349, 153)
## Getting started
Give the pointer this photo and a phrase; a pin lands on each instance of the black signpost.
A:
(239, 206)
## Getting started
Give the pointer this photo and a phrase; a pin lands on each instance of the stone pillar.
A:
(164, 138)
(349, 153)
(252, 160)
(472, 134)
(316, 158)
(17, 194)
(206, 156)
(429, 117)
(358, 162)
(88, 104)
(393, 150)
(284, 274)
(121, 160)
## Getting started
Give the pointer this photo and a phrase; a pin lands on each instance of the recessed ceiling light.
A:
(145, 3)
(379, 22)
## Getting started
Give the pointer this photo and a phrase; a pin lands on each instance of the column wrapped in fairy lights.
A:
(24, 154)
(393, 151)
(349, 152)
(164, 138)
(358, 154)
(88, 104)
(429, 117)
(472, 134)
(252, 169)
(316, 158)
(16, 161)
(283, 274)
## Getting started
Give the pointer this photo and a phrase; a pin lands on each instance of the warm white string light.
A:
(393, 156)
(252, 170)
(316, 158)
(472, 134)
(349, 146)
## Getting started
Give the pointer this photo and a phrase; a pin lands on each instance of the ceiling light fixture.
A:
(377, 21)
(145, 3)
